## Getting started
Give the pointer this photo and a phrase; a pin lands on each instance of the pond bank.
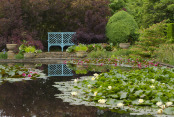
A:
(36, 60)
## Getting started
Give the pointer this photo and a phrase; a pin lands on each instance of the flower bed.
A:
(127, 62)
(147, 91)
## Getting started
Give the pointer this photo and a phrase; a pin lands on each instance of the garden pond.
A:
(40, 97)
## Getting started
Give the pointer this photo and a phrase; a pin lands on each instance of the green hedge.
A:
(121, 28)
(170, 31)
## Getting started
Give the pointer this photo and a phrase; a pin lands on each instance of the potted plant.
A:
(81, 50)
(29, 52)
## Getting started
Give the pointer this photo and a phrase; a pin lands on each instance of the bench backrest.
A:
(60, 38)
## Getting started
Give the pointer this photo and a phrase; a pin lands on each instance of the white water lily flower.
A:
(160, 111)
(95, 75)
(140, 100)
(163, 106)
(102, 101)
(120, 105)
(89, 86)
(153, 80)
(74, 93)
(109, 87)
(75, 80)
(152, 86)
(159, 103)
(92, 78)
(95, 93)
(169, 103)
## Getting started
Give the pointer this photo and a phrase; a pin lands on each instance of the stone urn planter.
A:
(81, 54)
(10, 48)
(124, 45)
(29, 55)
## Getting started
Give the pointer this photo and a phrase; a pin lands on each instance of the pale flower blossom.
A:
(169, 103)
(95, 93)
(140, 100)
(153, 80)
(163, 106)
(89, 86)
(109, 87)
(160, 111)
(95, 75)
(159, 103)
(75, 80)
(152, 86)
(74, 93)
(120, 105)
(102, 101)
(92, 78)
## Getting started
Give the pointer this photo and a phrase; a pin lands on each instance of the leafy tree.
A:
(148, 12)
(116, 5)
(93, 28)
(12, 27)
(150, 39)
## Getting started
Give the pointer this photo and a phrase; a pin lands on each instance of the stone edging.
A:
(56, 60)
(38, 60)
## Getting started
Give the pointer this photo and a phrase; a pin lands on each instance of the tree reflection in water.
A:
(36, 97)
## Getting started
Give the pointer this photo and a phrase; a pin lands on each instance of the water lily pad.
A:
(169, 110)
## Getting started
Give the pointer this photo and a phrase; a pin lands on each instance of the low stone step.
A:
(55, 55)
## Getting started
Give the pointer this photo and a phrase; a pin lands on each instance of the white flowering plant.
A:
(133, 88)
(144, 87)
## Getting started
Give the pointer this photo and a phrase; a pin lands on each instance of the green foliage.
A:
(138, 83)
(71, 49)
(3, 55)
(120, 28)
(38, 51)
(22, 48)
(150, 39)
(149, 12)
(81, 71)
(165, 53)
(19, 56)
(170, 32)
(30, 49)
(81, 47)
(121, 52)
(116, 5)
(134, 7)
(98, 54)
(96, 47)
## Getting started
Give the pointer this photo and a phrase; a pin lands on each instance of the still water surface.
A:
(35, 98)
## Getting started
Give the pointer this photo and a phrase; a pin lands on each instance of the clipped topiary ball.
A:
(121, 28)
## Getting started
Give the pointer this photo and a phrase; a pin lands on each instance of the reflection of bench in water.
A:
(61, 39)
(59, 70)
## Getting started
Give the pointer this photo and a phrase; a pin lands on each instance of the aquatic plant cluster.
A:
(148, 90)
(140, 63)
(19, 73)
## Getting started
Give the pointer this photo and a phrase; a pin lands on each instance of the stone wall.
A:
(56, 55)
